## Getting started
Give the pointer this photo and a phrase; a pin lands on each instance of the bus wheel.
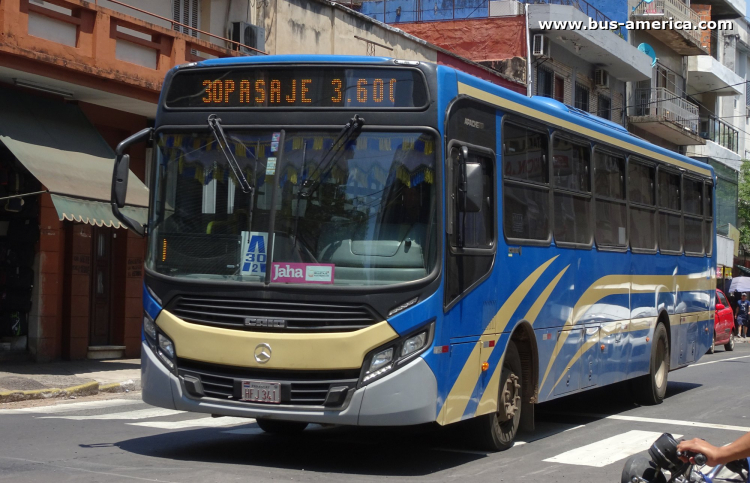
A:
(651, 388)
(496, 431)
(281, 427)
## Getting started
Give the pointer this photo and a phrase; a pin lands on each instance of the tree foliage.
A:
(743, 204)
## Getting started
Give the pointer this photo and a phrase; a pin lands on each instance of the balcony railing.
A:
(716, 130)
(676, 9)
(414, 11)
(88, 40)
(665, 105)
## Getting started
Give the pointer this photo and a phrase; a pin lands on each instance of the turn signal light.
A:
(485, 366)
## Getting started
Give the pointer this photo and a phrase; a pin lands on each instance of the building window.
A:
(582, 97)
(604, 108)
(544, 82)
(186, 12)
(559, 89)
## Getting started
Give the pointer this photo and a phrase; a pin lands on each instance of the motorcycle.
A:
(665, 457)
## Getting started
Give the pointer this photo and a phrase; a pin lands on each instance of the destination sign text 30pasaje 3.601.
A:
(298, 87)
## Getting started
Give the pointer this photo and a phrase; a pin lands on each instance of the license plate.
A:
(263, 392)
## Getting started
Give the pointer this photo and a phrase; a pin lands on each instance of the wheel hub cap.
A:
(510, 397)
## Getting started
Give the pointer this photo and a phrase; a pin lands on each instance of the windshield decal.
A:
(254, 245)
(302, 273)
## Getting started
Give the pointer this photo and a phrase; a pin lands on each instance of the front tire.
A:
(729, 346)
(497, 431)
(642, 467)
(281, 427)
(650, 389)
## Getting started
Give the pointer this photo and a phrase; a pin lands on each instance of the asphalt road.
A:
(583, 438)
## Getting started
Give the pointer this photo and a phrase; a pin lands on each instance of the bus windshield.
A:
(370, 218)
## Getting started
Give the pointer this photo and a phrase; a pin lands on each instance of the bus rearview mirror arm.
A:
(120, 175)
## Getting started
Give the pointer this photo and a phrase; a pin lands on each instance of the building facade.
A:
(79, 77)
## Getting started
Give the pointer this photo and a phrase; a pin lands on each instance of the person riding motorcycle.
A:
(739, 449)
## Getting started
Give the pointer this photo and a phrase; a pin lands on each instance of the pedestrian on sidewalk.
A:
(741, 315)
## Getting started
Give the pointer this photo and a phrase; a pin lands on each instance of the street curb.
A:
(87, 389)
(125, 386)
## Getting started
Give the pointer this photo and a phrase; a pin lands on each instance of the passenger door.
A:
(471, 234)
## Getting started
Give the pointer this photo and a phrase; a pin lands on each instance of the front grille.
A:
(274, 316)
(302, 388)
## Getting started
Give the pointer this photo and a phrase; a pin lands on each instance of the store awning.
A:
(59, 146)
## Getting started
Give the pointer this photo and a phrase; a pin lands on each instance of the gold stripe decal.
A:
(458, 397)
(556, 121)
(624, 284)
(232, 347)
(488, 402)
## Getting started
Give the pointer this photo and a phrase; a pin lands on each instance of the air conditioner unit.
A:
(601, 78)
(540, 46)
(250, 35)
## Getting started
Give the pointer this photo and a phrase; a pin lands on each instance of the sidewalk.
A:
(27, 380)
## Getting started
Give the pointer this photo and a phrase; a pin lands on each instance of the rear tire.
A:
(712, 349)
(281, 427)
(641, 466)
(650, 389)
(497, 431)
(729, 346)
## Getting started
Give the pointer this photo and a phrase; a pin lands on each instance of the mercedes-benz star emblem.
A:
(262, 353)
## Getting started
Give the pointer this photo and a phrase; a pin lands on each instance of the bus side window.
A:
(571, 178)
(641, 191)
(525, 184)
(670, 216)
(708, 215)
(611, 206)
(692, 190)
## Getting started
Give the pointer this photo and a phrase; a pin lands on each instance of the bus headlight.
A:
(166, 351)
(384, 360)
(149, 327)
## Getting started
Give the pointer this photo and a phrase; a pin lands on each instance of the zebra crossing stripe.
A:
(129, 415)
(610, 450)
(208, 422)
(70, 407)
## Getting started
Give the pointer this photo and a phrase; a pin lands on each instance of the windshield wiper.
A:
(214, 122)
(350, 131)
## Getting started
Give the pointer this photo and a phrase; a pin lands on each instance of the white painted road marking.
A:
(718, 360)
(608, 451)
(139, 414)
(77, 406)
(677, 422)
(208, 422)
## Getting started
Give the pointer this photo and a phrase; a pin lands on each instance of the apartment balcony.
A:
(705, 73)
(603, 48)
(93, 54)
(667, 115)
(723, 140)
(684, 41)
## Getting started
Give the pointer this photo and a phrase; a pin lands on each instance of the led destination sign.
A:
(305, 87)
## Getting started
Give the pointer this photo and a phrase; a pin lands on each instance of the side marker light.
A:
(602, 347)
(648, 339)
(485, 366)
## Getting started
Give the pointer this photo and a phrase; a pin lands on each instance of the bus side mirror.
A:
(120, 175)
(120, 179)
(471, 189)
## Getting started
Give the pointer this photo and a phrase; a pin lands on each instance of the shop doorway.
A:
(101, 287)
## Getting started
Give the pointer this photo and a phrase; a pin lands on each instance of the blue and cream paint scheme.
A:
(591, 314)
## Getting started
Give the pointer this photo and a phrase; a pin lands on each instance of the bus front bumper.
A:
(406, 397)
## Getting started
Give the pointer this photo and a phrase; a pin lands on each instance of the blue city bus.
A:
(442, 249)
